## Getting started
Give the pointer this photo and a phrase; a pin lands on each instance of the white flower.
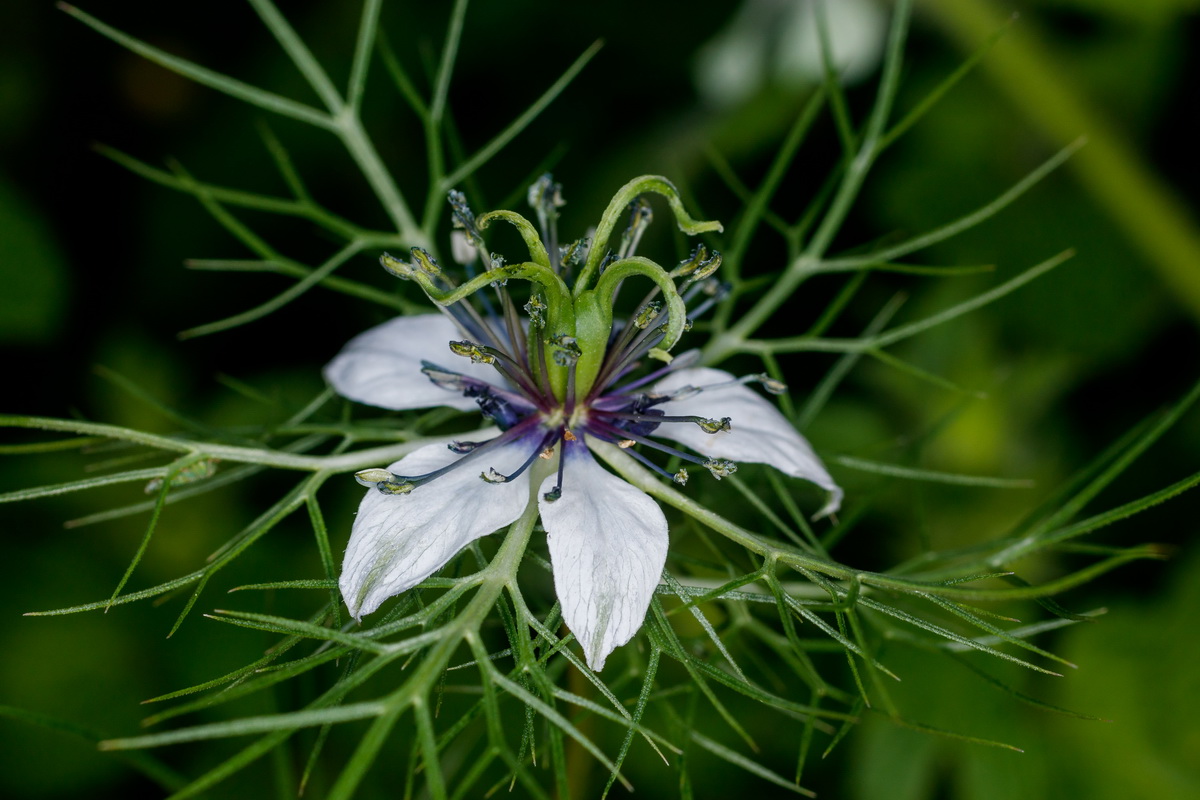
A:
(549, 393)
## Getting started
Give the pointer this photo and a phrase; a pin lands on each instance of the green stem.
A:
(350, 130)
(498, 574)
(809, 261)
(1146, 208)
(345, 462)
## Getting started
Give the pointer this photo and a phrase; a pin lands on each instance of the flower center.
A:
(565, 368)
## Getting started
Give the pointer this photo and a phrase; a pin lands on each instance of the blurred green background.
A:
(91, 274)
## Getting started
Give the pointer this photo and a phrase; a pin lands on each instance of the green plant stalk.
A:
(726, 343)
(812, 565)
(1146, 209)
(344, 462)
(500, 573)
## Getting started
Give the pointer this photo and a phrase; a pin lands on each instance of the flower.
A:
(551, 381)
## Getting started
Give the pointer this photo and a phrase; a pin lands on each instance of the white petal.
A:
(759, 433)
(399, 540)
(382, 366)
(608, 544)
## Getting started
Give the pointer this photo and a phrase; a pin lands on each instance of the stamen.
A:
(543, 375)
(502, 361)
(396, 267)
(707, 424)
(712, 287)
(498, 411)
(564, 350)
(682, 393)
(545, 196)
(477, 354)
(516, 331)
(569, 399)
(428, 264)
(494, 476)
(679, 477)
(572, 255)
(648, 314)
(386, 482)
(536, 309)
(556, 492)
(640, 217)
(444, 379)
(463, 219)
(713, 298)
(772, 385)
(720, 467)
(472, 387)
(613, 433)
(623, 355)
(688, 359)
(699, 265)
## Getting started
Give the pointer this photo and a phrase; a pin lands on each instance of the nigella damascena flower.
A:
(551, 380)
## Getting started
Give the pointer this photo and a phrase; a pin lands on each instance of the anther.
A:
(498, 264)
(370, 477)
(713, 425)
(571, 255)
(570, 437)
(647, 315)
(461, 215)
(545, 196)
(687, 326)
(720, 467)
(640, 217)
(553, 494)
(535, 308)
(396, 267)
(772, 385)
(699, 265)
(492, 476)
(565, 349)
(547, 454)
(680, 477)
(472, 351)
(427, 263)
(707, 267)
(384, 481)
(467, 240)
(625, 444)
(683, 392)
(444, 379)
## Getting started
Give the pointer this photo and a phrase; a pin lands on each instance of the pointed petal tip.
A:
(832, 505)
(608, 544)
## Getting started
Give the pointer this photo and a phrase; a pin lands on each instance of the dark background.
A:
(91, 274)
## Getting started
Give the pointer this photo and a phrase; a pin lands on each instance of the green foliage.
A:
(471, 674)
